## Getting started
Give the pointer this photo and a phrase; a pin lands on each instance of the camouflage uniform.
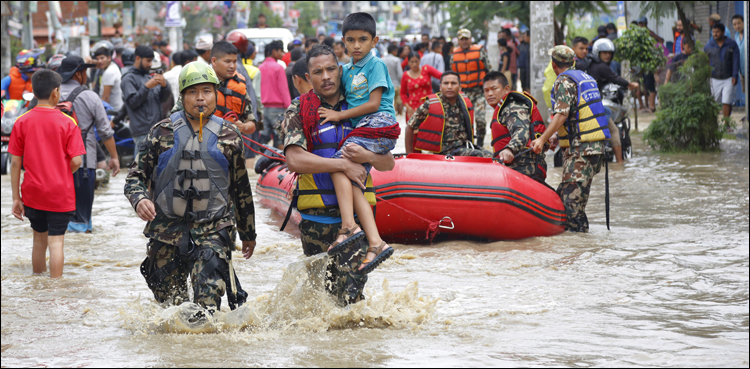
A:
(192, 245)
(581, 161)
(517, 117)
(342, 279)
(455, 137)
(476, 95)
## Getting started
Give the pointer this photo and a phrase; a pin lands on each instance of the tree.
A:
(476, 15)
(637, 45)
(659, 9)
(308, 10)
(565, 10)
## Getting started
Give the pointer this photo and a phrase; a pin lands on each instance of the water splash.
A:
(299, 302)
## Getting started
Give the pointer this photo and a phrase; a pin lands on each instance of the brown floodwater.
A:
(667, 286)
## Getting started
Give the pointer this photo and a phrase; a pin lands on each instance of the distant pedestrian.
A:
(49, 146)
(416, 84)
(296, 56)
(274, 92)
(738, 22)
(395, 72)
(110, 78)
(434, 58)
(340, 50)
(611, 31)
(507, 34)
(724, 57)
(472, 64)
(524, 61)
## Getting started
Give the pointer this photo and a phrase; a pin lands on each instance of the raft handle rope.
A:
(279, 157)
(432, 226)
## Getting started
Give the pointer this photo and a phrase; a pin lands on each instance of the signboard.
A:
(622, 24)
(294, 13)
(173, 18)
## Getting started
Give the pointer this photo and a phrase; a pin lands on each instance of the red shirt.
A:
(414, 89)
(47, 139)
(287, 58)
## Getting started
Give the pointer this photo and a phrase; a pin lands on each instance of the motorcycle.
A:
(12, 109)
(613, 97)
(123, 137)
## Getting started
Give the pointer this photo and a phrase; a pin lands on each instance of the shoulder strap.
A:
(74, 94)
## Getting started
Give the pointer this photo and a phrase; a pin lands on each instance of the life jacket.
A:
(431, 130)
(231, 96)
(17, 85)
(500, 133)
(316, 190)
(469, 66)
(587, 119)
(192, 178)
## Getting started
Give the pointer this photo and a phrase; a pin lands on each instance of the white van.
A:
(263, 37)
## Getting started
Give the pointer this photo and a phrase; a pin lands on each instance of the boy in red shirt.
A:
(48, 144)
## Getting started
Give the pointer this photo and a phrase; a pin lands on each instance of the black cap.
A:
(70, 65)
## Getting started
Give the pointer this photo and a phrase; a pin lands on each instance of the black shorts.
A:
(48, 221)
(649, 82)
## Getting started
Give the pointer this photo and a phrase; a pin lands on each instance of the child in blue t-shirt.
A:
(369, 92)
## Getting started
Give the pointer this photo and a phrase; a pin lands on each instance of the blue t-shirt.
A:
(361, 79)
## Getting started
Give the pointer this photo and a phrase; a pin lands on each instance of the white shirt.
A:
(112, 77)
(173, 76)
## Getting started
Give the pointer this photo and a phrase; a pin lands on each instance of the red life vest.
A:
(501, 135)
(17, 85)
(231, 96)
(430, 134)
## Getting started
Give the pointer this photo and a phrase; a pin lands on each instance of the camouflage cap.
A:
(464, 33)
(562, 54)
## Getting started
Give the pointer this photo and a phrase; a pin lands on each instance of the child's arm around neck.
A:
(370, 107)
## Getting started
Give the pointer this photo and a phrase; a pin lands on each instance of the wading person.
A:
(321, 217)
(189, 182)
(724, 57)
(369, 93)
(516, 122)
(49, 146)
(471, 63)
(443, 124)
(575, 96)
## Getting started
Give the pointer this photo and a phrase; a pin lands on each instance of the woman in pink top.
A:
(416, 84)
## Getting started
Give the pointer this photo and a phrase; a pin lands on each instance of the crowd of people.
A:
(197, 118)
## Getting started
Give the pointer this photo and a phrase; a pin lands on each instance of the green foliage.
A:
(309, 10)
(585, 30)
(201, 17)
(566, 10)
(687, 120)
(637, 45)
(476, 15)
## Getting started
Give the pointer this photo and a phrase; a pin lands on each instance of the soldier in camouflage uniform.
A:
(475, 93)
(456, 139)
(182, 247)
(343, 279)
(582, 160)
(516, 117)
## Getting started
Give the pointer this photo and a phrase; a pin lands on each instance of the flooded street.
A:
(668, 286)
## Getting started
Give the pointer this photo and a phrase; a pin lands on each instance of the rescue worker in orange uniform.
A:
(443, 124)
(472, 64)
(516, 122)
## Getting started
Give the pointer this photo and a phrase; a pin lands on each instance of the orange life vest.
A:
(500, 133)
(430, 134)
(17, 85)
(231, 96)
(469, 66)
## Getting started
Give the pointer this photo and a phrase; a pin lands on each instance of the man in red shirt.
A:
(49, 145)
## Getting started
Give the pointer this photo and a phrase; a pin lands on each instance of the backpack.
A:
(66, 107)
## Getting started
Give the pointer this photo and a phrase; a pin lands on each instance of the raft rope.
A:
(279, 157)
(433, 227)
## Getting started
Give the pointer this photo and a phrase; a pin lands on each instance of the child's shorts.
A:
(48, 221)
(376, 145)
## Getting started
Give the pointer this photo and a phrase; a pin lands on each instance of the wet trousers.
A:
(85, 183)
(342, 279)
(578, 173)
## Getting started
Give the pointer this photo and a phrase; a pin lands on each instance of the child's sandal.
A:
(380, 256)
(338, 247)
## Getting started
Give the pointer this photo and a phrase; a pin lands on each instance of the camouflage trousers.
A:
(476, 95)
(167, 273)
(578, 173)
(342, 279)
(465, 151)
(531, 165)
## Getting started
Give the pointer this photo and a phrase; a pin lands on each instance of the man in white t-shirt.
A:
(109, 90)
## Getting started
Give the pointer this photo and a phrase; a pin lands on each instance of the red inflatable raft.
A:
(455, 197)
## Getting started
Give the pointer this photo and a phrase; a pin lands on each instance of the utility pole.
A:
(27, 37)
(542, 40)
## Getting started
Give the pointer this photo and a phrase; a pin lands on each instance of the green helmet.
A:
(195, 73)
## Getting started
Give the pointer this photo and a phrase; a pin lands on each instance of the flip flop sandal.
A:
(381, 256)
(339, 247)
